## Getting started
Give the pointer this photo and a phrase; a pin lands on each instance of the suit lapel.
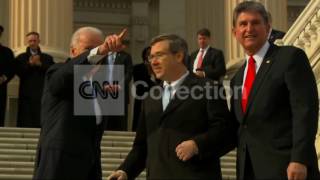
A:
(205, 58)
(156, 105)
(261, 75)
(117, 59)
(176, 102)
(193, 59)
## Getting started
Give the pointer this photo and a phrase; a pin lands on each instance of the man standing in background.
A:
(31, 67)
(207, 61)
(120, 122)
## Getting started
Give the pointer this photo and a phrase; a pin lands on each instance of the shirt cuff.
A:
(93, 56)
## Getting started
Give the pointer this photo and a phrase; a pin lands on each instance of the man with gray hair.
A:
(180, 134)
(276, 110)
(69, 144)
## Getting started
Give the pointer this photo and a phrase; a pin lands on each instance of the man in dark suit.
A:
(207, 61)
(273, 33)
(275, 103)
(6, 74)
(69, 144)
(119, 123)
(31, 67)
(144, 79)
(181, 129)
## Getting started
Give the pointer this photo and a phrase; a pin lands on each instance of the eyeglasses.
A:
(157, 56)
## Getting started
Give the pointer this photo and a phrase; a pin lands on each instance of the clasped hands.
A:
(34, 60)
(200, 73)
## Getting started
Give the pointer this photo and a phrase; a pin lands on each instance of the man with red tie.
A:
(276, 108)
(207, 61)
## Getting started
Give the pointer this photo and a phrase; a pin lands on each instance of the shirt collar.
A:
(205, 49)
(258, 57)
(175, 84)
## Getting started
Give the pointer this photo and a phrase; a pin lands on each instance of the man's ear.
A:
(233, 31)
(268, 27)
(180, 56)
(73, 51)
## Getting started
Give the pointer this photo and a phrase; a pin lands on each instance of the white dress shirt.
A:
(258, 57)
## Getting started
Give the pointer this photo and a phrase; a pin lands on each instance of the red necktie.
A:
(199, 65)
(251, 73)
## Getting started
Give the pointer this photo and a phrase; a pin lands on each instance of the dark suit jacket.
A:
(30, 88)
(275, 34)
(7, 69)
(123, 58)
(69, 145)
(213, 63)
(159, 132)
(280, 123)
(140, 74)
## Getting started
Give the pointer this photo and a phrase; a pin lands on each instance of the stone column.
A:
(172, 17)
(278, 10)
(139, 27)
(53, 19)
(138, 40)
(4, 21)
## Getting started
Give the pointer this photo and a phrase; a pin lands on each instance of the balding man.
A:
(69, 144)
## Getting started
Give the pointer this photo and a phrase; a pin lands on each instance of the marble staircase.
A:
(18, 149)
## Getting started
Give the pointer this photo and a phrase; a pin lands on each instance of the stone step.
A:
(26, 171)
(18, 140)
(10, 158)
(10, 146)
(15, 177)
(37, 131)
(105, 152)
(23, 144)
(13, 170)
(105, 157)
(16, 164)
(106, 137)
(18, 148)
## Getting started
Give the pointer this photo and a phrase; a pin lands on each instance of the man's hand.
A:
(118, 175)
(296, 171)
(35, 60)
(200, 73)
(112, 43)
(186, 150)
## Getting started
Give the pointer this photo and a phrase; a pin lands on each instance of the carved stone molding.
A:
(139, 20)
(103, 5)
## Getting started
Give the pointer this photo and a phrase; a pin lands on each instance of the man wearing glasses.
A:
(180, 131)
